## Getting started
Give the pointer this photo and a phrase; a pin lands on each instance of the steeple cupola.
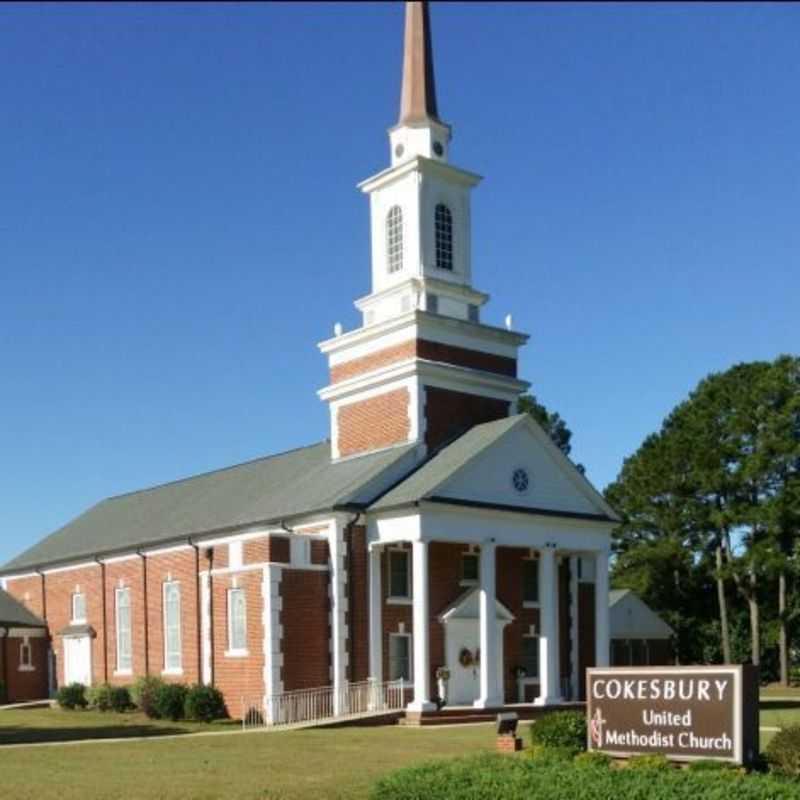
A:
(422, 367)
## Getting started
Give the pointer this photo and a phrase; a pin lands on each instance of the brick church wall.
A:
(449, 414)
(374, 423)
(306, 629)
(428, 350)
(238, 677)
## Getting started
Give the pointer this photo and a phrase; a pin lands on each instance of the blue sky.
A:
(179, 223)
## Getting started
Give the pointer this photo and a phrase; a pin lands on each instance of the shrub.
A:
(543, 754)
(143, 695)
(72, 696)
(120, 699)
(648, 763)
(783, 752)
(170, 700)
(99, 697)
(591, 758)
(204, 704)
(489, 777)
(561, 729)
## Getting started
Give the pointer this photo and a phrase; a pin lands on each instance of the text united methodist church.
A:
(436, 532)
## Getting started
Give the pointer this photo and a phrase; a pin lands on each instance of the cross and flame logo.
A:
(596, 728)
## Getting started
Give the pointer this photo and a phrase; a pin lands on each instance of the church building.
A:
(437, 537)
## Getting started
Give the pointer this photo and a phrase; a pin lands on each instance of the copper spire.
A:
(418, 97)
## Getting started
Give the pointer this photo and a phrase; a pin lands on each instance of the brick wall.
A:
(238, 676)
(306, 632)
(374, 423)
(28, 591)
(357, 617)
(23, 685)
(448, 414)
(431, 351)
(128, 574)
(179, 566)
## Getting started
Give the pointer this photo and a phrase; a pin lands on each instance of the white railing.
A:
(325, 703)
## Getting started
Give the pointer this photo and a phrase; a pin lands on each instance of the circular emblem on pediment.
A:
(520, 480)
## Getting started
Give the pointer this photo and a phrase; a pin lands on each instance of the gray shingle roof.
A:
(424, 481)
(13, 613)
(265, 490)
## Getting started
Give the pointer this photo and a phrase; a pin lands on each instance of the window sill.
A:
(399, 601)
(26, 668)
(237, 653)
(172, 671)
(83, 621)
(530, 604)
(466, 582)
(123, 673)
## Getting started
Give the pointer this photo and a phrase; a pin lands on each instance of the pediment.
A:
(545, 478)
(467, 607)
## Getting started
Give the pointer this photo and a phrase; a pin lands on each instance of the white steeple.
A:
(420, 205)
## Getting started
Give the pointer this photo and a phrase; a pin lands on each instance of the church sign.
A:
(684, 713)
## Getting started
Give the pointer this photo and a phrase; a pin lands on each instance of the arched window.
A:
(444, 237)
(394, 239)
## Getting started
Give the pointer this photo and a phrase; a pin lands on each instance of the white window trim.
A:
(26, 665)
(532, 680)
(167, 669)
(117, 592)
(236, 652)
(78, 620)
(399, 600)
(410, 639)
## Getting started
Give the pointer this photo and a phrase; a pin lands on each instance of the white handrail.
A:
(365, 698)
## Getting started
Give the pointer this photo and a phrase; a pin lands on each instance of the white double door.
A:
(78, 660)
(462, 637)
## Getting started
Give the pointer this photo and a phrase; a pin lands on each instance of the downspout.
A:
(44, 596)
(105, 618)
(4, 653)
(199, 610)
(351, 639)
(211, 640)
(146, 615)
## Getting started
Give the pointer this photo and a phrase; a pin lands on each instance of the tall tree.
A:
(555, 427)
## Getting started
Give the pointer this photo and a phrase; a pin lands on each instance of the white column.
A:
(549, 678)
(375, 615)
(338, 580)
(601, 646)
(573, 627)
(490, 696)
(422, 677)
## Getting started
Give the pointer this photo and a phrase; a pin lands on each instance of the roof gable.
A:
(631, 618)
(467, 606)
(478, 467)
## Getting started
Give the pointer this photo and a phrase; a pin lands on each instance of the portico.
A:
(502, 542)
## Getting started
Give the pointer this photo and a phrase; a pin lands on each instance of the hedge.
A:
(72, 696)
(489, 777)
(783, 752)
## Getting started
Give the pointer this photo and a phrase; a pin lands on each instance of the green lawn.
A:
(295, 765)
(322, 763)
